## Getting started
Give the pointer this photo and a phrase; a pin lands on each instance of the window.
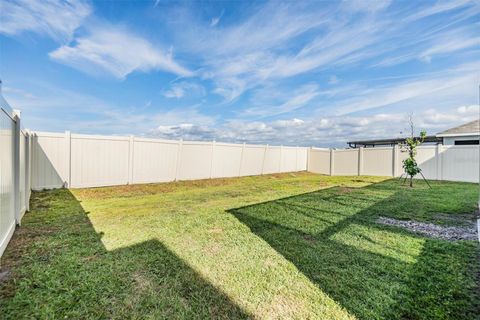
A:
(465, 142)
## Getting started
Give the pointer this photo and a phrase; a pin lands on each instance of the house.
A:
(465, 134)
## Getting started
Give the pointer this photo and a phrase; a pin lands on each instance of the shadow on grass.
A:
(374, 271)
(60, 268)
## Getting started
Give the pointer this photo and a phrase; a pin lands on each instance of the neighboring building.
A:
(465, 134)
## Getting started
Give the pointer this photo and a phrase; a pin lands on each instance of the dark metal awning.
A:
(391, 142)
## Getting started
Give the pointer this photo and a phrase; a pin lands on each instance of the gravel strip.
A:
(433, 230)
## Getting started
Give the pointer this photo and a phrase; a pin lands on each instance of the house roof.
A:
(386, 142)
(466, 129)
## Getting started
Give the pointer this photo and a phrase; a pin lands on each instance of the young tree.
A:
(410, 145)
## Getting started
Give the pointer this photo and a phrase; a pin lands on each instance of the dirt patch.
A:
(142, 283)
(344, 190)
(216, 230)
(310, 239)
(434, 230)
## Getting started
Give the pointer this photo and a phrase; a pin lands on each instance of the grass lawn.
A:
(298, 245)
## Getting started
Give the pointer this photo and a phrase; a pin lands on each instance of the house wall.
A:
(450, 141)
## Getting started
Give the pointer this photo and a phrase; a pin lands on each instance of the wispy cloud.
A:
(423, 91)
(216, 20)
(115, 50)
(451, 45)
(297, 99)
(54, 18)
(181, 89)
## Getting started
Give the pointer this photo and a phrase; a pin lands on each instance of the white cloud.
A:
(440, 7)
(54, 18)
(324, 131)
(180, 89)
(442, 89)
(118, 52)
(451, 45)
(280, 41)
(333, 80)
(216, 20)
(297, 99)
(366, 6)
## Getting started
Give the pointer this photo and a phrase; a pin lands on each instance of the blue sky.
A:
(309, 73)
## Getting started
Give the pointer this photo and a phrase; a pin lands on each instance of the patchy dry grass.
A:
(272, 247)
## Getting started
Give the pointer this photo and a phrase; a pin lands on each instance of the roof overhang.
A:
(468, 134)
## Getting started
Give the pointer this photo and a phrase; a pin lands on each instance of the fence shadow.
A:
(373, 271)
(67, 272)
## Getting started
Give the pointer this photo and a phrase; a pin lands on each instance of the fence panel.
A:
(49, 163)
(195, 161)
(98, 160)
(454, 163)
(7, 188)
(460, 163)
(289, 159)
(252, 160)
(346, 162)
(426, 160)
(226, 160)
(154, 161)
(302, 159)
(319, 160)
(271, 163)
(377, 161)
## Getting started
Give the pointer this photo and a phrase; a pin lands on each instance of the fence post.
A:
(264, 156)
(309, 150)
(360, 161)
(281, 154)
(395, 160)
(296, 158)
(179, 158)
(212, 161)
(241, 160)
(332, 161)
(28, 168)
(16, 165)
(438, 162)
(68, 159)
(131, 144)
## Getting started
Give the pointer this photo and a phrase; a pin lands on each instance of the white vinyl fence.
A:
(14, 172)
(44, 160)
(78, 161)
(438, 162)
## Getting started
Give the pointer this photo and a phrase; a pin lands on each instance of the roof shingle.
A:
(469, 127)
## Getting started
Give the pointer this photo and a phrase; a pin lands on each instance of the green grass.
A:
(299, 246)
